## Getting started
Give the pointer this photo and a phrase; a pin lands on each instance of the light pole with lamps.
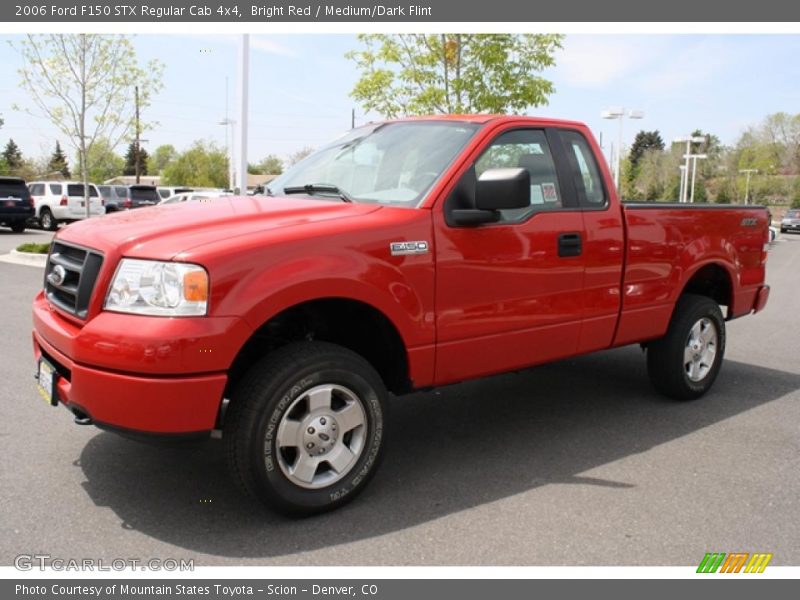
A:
(694, 158)
(620, 112)
(747, 184)
(689, 139)
(231, 159)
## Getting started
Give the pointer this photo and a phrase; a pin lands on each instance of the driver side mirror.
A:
(496, 189)
(500, 189)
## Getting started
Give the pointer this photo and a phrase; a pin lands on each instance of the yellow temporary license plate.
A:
(46, 381)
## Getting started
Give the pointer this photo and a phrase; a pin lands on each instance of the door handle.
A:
(570, 244)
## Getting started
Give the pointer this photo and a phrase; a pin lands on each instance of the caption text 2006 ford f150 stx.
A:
(406, 255)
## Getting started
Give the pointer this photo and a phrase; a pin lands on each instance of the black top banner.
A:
(365, 11)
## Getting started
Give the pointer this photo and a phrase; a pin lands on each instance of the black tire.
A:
(18, 227)
(277, 385)
(665, 357)
(783, 231)
(47, 220)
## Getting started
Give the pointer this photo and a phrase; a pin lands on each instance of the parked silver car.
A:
(791, 222)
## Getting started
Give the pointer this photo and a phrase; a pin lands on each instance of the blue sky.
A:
(300, 87)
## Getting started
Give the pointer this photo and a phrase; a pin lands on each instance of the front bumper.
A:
(142, 374)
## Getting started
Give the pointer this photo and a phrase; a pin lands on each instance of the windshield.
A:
(393, 163)
(793, 214)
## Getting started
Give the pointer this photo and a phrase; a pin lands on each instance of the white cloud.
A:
(268, 46)
(261, 44)
(592, 61)
(693, 65)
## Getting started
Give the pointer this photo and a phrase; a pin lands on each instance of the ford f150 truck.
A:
(406, 255)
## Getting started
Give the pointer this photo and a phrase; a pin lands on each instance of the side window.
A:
(37, 189)
(55, 189)
(526, 148)
(121, 190)
(591, 193)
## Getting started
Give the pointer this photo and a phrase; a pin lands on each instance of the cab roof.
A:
(482, 119)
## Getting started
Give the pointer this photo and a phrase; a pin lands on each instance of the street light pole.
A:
(694, 158)
(244, 75)
(231, 156)
(619, 113)
(747, 184)
(689, 139)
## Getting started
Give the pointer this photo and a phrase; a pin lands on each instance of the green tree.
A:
(203, 165)
(408, 74)
(84, 83)
(130, 160)
(58, 162)
(644, 141)
(160, 158)
(12, 156)
(103, 163)
(271, 165)
(296, 157)
(725, 193)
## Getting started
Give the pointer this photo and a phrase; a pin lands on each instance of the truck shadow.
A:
(447, 451)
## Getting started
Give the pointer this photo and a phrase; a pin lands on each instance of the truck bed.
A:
(667, 243)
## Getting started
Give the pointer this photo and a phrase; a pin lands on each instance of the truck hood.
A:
(161, 232)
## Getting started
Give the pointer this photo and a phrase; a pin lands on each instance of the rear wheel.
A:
(47, 220)
(18, 227)
(304, 430)
(685, 362)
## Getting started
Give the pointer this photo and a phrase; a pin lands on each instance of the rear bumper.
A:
(15, 216)
(761, 298)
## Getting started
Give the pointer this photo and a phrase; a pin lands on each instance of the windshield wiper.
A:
(317, 188)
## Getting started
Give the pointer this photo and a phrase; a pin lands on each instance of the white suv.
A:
(62, 201)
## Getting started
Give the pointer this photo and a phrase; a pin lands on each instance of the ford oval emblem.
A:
(57, 275)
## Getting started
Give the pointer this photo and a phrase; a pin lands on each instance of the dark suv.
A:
(16, 205)
(117, 197)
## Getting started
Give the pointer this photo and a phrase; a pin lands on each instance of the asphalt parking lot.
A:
(575, 463)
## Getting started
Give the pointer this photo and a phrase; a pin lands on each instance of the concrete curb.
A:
(24, 258)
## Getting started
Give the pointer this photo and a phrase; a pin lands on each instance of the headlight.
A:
(166, 289)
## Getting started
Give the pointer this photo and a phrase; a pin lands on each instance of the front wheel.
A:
(305, 428)
(685, 362)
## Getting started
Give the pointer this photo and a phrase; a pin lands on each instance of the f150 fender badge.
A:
(749, 222)
(403, 248)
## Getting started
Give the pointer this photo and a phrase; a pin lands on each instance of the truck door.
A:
(604, 242)
(509, 294)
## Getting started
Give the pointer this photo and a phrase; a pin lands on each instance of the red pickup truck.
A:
(406, 255)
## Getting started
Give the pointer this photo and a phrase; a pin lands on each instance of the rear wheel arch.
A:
(712, 280)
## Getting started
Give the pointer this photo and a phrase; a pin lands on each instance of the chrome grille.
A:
(70, 276)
